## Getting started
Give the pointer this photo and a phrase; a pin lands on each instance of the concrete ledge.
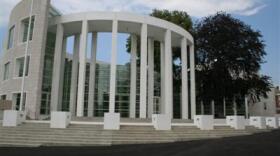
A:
(60, 119)
(236, 122)
(13, 118)
(272, 122)
(204, 122)
(112, 121)
(161, 121)
(258, 122)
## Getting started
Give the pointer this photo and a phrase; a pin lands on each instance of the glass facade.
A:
(102, 82)
(47, 74)
(66, 85)
(220, 111)
(101, 96)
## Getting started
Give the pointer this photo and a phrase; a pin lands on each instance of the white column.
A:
(82, 69)
(143, 72)
(168, 78)
(162, 74)
(74, 76)
(133, 78)
(246, 108)
(213, 107)
(92, 75)
(225, 108)
(184, 94)
(113, 67)
(193, 89)
(57, 68)
(150, 77)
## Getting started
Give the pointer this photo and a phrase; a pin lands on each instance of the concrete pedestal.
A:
(204, 122)
(60, 119)
(236, 122)
(161, 121)
(112, 121)
(258, 122)
(12, 118)
(272, 122)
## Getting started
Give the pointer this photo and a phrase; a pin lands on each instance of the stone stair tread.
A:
(40, 134)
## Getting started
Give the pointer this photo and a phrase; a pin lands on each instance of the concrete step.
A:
(117, 133)
(101, 129)
(113, 135)
(33, 134)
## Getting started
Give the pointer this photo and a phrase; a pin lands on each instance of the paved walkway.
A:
(264, 144)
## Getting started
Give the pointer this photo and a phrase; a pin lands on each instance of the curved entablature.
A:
(122, 17)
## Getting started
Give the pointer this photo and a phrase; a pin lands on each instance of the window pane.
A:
(27, 66)
(6, 71)
(17, 97)
(3, 97)
(11, 37)
(25, 24)
(20, 66)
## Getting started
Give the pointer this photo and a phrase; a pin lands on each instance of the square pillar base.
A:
(272, 122)
(161, 121)
(258, 122)
(204, 122)
(13, 118)
(236, 122)
(60, 119)
(112, 121)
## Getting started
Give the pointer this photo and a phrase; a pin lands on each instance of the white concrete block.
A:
(161, 121)
(204, 122)
(258, 122)
(112, 121)
(272, 122)
(12, 118)
(60, 119)
(236, 122)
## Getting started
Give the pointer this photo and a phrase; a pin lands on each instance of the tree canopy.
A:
(180, 18)
(229, 54)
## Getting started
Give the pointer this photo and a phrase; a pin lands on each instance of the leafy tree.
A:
(229, 54)
(180, 18)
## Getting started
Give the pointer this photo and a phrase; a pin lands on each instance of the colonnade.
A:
(146, 73)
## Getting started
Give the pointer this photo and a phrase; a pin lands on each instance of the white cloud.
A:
(6, 7)
(196, 8)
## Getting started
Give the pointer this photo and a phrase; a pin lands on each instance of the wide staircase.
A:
(39, 134)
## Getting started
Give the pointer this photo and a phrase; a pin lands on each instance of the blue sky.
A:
(262, 15)
(268, 22)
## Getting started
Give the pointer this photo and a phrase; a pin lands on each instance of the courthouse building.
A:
(52, 79)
